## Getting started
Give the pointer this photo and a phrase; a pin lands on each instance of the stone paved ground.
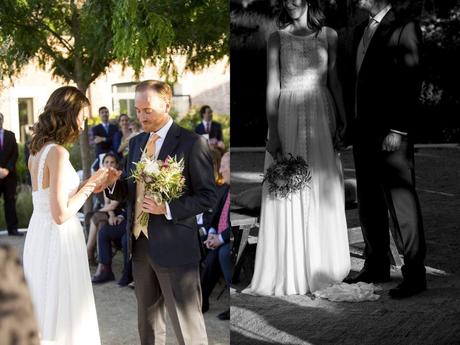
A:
(117, 309)
(433, 317)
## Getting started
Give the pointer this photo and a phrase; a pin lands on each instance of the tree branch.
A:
(57, 59)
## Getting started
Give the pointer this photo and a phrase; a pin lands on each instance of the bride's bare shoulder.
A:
(58, 152)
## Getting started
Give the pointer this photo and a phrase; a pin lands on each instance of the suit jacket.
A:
(388, 84)
(173, 242)
(212, 219)
(215, 130)
(9, 153)
(100, 131)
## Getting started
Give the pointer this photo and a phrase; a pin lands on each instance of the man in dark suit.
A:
(8, 158)
(387, 87)
(103, 135)
(166, 254)
(210, 128)
(218, 240)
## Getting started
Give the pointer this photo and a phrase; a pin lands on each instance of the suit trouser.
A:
(8, 189)
(176, 289)
(386, 184)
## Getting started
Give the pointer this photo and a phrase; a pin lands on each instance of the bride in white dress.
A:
(303, 241)
(55, 260)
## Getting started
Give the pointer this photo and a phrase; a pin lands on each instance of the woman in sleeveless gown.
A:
(303, 241)
(55, 260)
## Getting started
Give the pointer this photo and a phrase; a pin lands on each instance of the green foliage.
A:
(161, 29)
(24, 207)
(21, 166)
(81, 39)
(193, 118)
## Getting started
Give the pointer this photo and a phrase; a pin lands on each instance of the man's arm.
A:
(202, 185)
(13, 154)
(407, 75)
(219, 135)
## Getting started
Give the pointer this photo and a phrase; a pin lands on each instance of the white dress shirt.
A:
(162, 132)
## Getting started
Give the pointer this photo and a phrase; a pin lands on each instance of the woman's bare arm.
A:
(333, 81)
(273, 93)
(63, 207)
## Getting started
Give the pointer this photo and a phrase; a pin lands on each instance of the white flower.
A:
(152, 168)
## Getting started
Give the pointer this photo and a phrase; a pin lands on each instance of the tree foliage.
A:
(79, 39)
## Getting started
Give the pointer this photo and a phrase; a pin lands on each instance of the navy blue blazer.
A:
(9, 152)
(215, 130)
(173, 242)
(100, 131)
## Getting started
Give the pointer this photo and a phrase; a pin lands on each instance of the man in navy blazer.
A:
(8, 159)
(210, 128)
(166, 253)
(103, 135)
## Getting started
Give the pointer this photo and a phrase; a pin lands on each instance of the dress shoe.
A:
(405, 290)
(103, 277)
(125, 280)
(224, 315)
(15, 233)
(367, 276)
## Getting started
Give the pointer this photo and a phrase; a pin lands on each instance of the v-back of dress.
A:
(56, 269)
(303, 244)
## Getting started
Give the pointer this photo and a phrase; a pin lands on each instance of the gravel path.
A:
(432, 317)
(117, 309)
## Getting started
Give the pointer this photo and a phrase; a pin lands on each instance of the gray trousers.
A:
(176, 289)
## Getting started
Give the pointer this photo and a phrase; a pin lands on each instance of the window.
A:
(26, 117)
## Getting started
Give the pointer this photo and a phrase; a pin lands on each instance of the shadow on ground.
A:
(429, 318)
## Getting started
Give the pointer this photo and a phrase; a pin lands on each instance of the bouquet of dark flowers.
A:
(163, 180)
(287, 175)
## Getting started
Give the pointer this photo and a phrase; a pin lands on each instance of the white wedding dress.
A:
(57, 271)
(303, 240)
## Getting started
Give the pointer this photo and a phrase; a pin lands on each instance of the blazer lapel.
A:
(358, 34)
(379, 37)
(171, 141)
(142, 141)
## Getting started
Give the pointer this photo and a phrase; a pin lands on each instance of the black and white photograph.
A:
(345, 163)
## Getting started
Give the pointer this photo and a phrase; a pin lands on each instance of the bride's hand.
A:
(98, 178)
(111, 178)
(274, 147)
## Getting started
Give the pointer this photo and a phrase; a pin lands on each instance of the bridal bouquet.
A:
(287, 175)
(163, 180)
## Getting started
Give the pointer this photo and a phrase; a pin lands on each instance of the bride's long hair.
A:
(315, 16)
(58, 122)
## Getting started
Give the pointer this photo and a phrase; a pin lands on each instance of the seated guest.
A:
(106, 214)
(102, 135)
(218, 258)
(108, 234)
(211, 129)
